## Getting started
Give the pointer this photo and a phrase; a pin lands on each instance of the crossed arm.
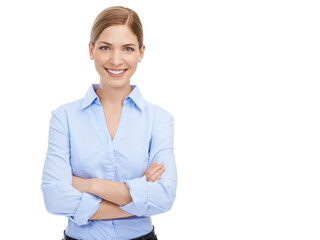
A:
(83, 199)
(114, 194)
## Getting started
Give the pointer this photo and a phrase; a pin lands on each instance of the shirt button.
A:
(110, 166)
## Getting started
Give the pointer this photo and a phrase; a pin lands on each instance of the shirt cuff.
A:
(139, 193)
(89, 204)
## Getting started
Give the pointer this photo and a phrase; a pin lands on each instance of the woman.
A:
(110, 162)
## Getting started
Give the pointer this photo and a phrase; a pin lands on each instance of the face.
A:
(116, 55)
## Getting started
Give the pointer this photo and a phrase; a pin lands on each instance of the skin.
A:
(121, 52)
(117, 48)
(114, 194)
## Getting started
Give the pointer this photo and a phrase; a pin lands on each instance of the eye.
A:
(105, 48)
(129, 49)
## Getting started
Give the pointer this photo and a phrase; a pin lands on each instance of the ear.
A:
(141, 51)
(91, 47)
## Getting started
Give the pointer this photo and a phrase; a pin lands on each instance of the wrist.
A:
(90, 185)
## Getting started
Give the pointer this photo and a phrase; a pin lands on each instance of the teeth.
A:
(115, 72)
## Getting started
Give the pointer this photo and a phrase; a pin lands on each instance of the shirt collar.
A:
(91, 96)
(136, 97)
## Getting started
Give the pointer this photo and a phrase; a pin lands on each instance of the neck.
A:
(112, 97)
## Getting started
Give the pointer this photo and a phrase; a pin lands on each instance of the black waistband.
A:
(150, 235)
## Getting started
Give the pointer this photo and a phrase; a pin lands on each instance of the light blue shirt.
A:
(80, 144)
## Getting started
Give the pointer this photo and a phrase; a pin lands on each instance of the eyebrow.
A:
(125, 45)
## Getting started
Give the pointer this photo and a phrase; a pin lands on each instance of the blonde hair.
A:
(117, 16)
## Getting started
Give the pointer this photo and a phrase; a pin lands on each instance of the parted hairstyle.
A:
(117, 16)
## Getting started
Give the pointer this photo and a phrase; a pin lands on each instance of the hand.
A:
(81, 184)
(154, 172)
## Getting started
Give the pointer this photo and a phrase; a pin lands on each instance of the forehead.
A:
(118, 34)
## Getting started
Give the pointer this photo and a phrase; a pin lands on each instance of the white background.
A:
(241, 79)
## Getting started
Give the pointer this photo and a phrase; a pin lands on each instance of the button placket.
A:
(110, 161)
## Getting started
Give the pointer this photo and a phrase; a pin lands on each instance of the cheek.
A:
(132, 61)
(100, 59)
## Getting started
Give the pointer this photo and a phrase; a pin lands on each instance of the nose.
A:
(116, 58)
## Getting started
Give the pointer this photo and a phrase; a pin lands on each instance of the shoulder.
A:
(68, 109)
(160, 117)
(62, 115)
(157, 111)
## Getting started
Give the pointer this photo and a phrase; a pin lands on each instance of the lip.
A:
(115, 75)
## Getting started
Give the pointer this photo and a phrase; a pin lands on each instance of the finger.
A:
(150, 177)
(155, 169)
(161, 171)
(152, 165)
(153, 178)
(157, 175)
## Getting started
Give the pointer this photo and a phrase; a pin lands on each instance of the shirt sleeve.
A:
(150, 198)
(59, 196)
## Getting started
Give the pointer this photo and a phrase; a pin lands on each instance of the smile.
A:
(115, 72)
